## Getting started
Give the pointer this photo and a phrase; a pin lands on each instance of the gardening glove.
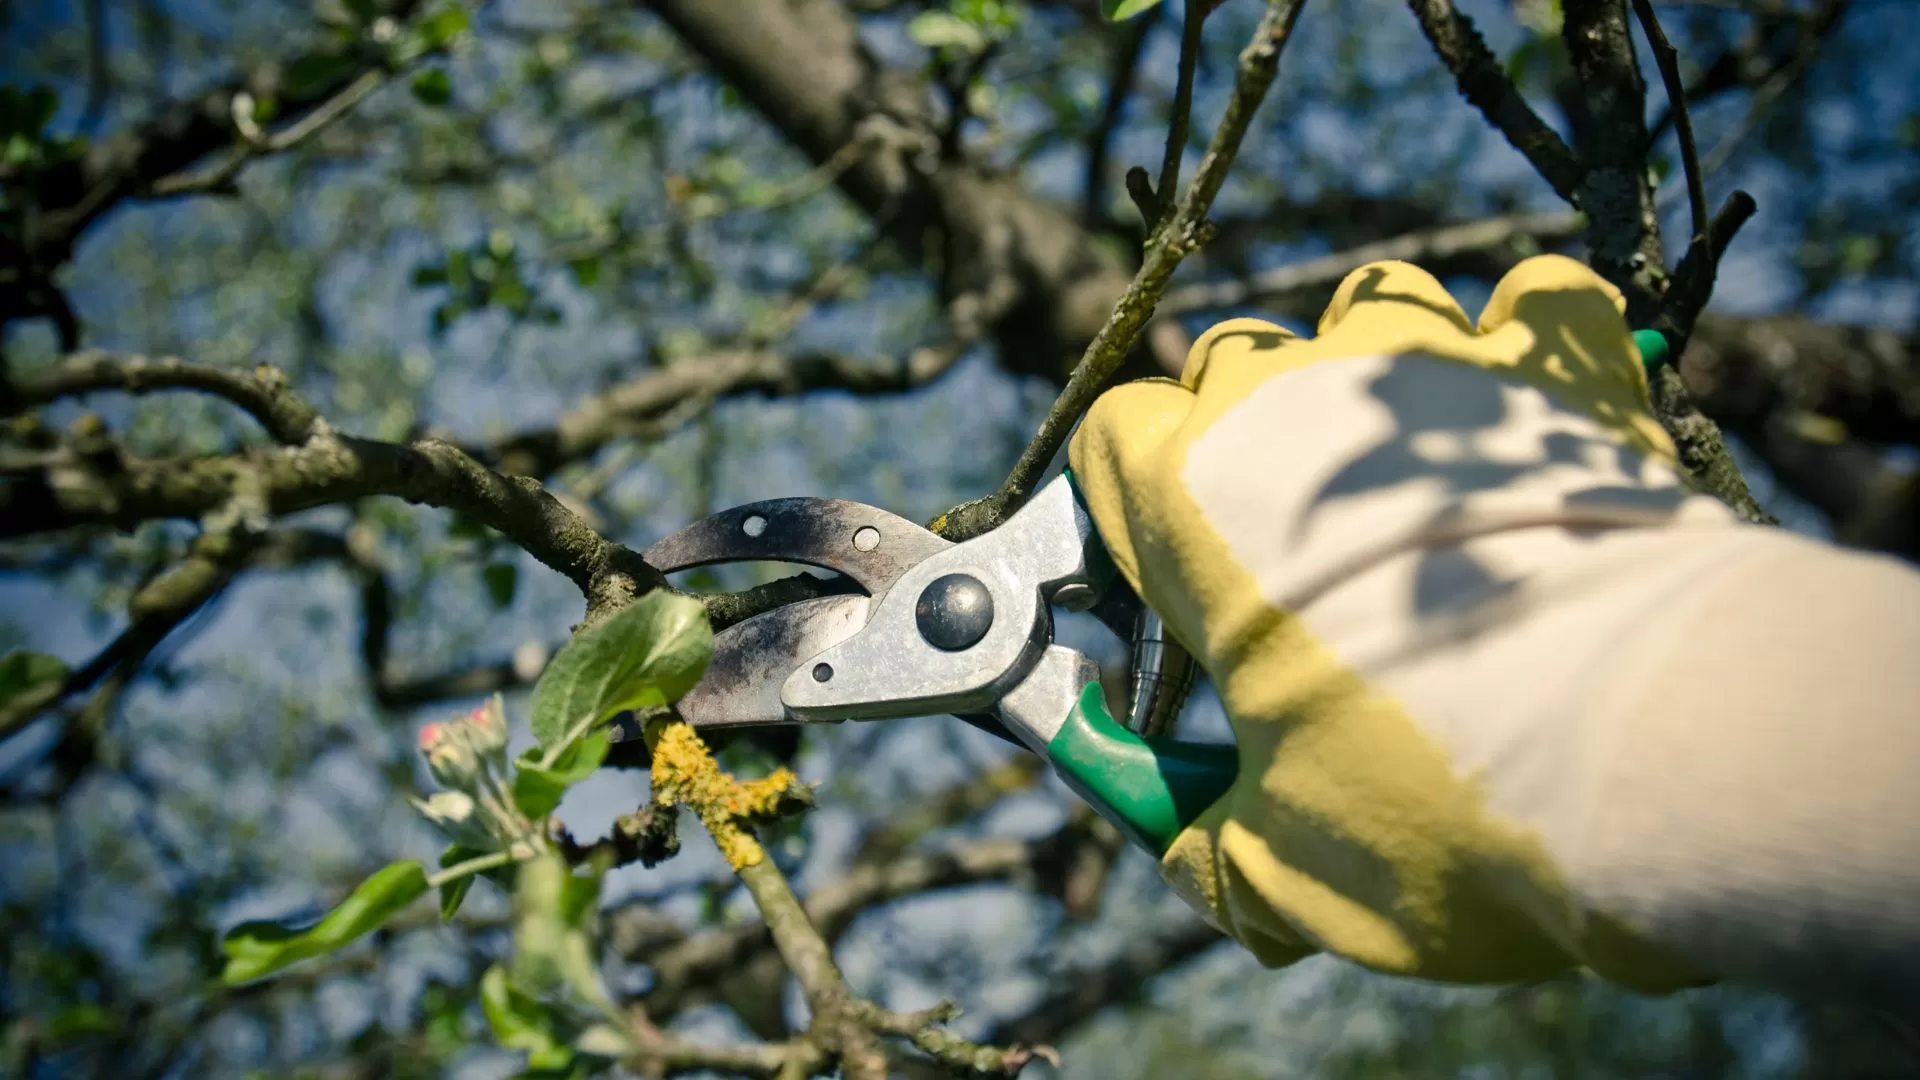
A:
(1510, 697)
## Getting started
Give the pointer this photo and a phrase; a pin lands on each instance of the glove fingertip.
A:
(1549, 274)
(1414, 295)
(1267, 334)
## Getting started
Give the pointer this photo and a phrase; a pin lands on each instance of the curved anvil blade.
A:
(866, 543)
(751, 660)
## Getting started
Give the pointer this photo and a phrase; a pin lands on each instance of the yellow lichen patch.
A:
(685, 774)
(759, 798)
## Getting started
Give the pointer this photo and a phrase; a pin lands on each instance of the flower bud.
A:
(451, 756)
(487, 726)
(456, 815)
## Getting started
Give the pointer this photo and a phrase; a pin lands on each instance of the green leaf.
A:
(462, 527)
(78, 1022)
(1859, 253)
(585, 271)
(537, 788)
(433, 87)
(363, 11)
(520, 1022)
(315, 73)
(648, 655)
(454, 892)
(1122, 10)
(445, 24)
(501, 577)
(256, 949)
(22, 672)
(555, 912)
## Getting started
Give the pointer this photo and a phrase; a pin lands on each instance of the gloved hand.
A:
(1509, 696)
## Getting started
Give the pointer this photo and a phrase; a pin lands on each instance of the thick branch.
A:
(1864, 381)
(1484, 83)
(73, 490)
(1041, 283)
(1623, 232)
(1614, 191)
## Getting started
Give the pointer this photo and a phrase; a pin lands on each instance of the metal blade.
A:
(752, 659)
(902, 663)
(863, 542)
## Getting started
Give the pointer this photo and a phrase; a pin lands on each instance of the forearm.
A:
(1714, 732)
(1759, 816)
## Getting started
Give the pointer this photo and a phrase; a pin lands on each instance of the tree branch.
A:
(1484, 83)
(806, 70)
(1080, 993)
(253, 144)
(108, 487)
(663, 1055)
(1623, 231)
(1121, 75)
(264, 393)
(688, 970)
(629, 406)
(1614, 192)
(1193, 26)
(1669, 62)
(1424, 247)
(74, 193)
(1184, 233)
(843, 1026)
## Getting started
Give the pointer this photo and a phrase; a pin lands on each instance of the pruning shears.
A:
(962, 628)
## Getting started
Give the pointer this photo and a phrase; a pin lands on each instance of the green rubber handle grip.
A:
(1654, 349)
(1150, 788)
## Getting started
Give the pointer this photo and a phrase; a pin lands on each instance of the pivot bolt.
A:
(954, 612)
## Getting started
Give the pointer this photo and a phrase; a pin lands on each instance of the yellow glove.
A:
(1391, 548)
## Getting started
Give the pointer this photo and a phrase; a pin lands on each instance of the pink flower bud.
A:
(487, 726)
(451, 756)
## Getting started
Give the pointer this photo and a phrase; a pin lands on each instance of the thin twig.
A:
(1669, 63)
(658, 1054)
(1183, 234)
(1121, 73)
(220, 176)
(1192, 33)
(1693, 278)
(156, 609)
